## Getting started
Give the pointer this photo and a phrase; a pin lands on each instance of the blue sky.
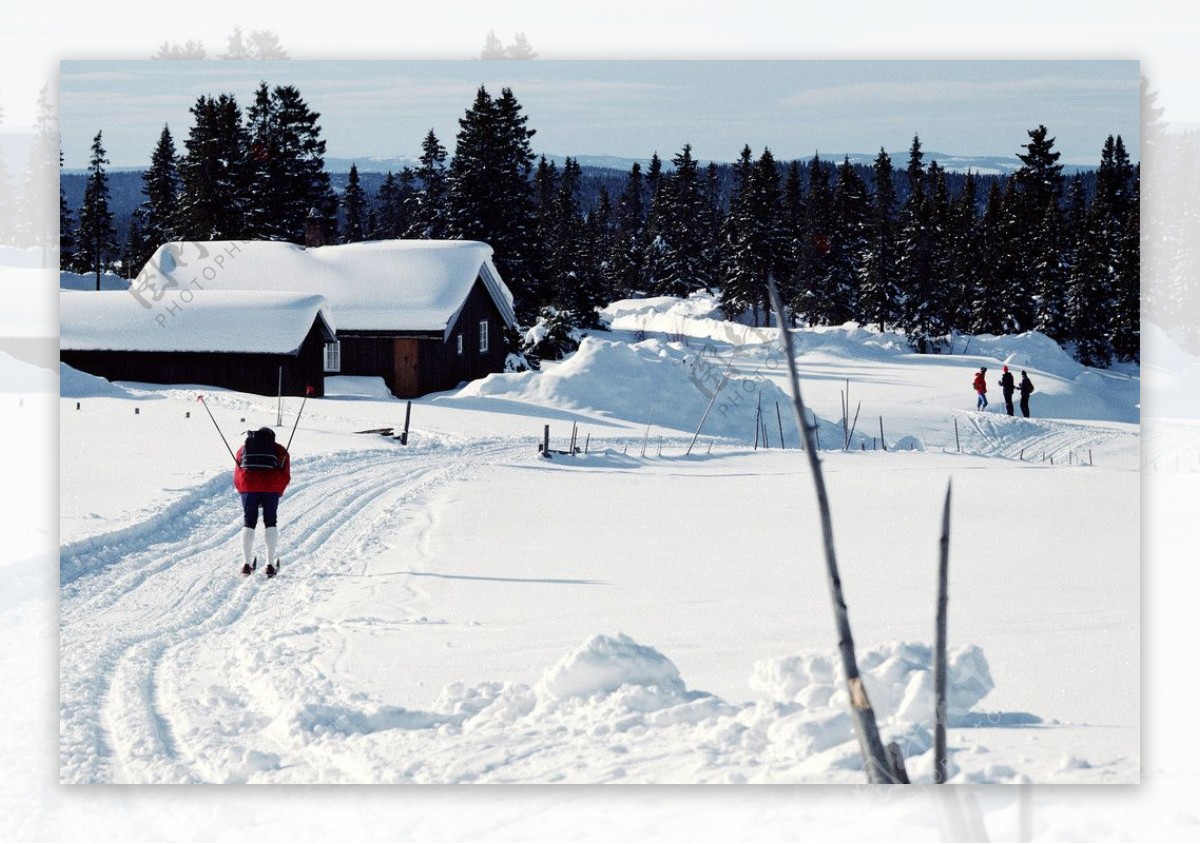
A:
(632, 108)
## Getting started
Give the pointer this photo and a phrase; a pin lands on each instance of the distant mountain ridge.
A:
(996, 165)
(991, 165)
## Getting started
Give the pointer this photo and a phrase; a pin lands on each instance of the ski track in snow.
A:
(136, 604)
(1001, 435)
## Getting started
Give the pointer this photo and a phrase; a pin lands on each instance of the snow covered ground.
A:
(463, 610)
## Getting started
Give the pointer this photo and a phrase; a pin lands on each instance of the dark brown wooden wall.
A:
(442, 368)
(249, 373)
(435, 364)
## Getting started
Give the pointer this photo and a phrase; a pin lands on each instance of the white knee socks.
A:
(272, 535)
(247, 544)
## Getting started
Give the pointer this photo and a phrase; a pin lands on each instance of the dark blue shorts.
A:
(251, 501)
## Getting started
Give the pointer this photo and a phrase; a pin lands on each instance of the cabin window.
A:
(333, 356)
(459, 343)
(483, 336)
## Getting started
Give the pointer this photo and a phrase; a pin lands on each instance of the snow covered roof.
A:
(386, 285)
(209, 321)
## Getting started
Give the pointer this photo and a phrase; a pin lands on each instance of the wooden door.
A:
(406, 381)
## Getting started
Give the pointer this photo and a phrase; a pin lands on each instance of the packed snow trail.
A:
(127, 604)
(1000, 435)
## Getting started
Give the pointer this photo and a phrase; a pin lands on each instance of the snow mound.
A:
(898, 677)
(1030, 350)
(604, 664)
(357, 386)
(663, 383)
(73, 384)
(698, 316)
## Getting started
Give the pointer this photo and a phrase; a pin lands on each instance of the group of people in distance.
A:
(1007, 386)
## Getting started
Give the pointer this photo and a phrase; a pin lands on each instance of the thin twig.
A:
(870, 744)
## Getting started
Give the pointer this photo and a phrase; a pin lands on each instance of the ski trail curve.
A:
(129, 607)
(1000, 435)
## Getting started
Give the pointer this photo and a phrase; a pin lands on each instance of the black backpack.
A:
(259, 450)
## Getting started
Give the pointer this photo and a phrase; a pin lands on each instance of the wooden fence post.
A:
(407, 416)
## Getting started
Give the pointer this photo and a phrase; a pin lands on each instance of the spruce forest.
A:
(899, 245)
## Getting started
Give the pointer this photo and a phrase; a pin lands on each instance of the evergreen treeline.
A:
(903, 246)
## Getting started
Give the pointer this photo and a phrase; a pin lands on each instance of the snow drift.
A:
(665, 384)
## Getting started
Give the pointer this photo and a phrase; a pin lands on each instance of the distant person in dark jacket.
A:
(264, 469)
(1026, 388)
(980, 385)
(1007, 386)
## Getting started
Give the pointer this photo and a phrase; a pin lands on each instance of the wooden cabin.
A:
(250, 342)
(424, 315)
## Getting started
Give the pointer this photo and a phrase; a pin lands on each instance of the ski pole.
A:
(307, 393)
(200, 399)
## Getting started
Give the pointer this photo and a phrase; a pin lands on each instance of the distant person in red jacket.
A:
(980, 385)
(263, 471)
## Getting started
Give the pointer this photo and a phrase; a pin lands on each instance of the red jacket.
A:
(264, 480)
(980, 384)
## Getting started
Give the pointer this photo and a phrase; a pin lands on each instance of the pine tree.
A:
(161, 184)
(541, 289)
(490, 195)
(739, 276)
(1038, 185)
(385, 209)
(850, 211)
(97, 235)
(1115, 209)
(754, 243)
(963, 261)
(1088, 295)
(987, 296)
(791, 234)
(676, 228)
(214, 177)
(355, 205)
(1040, 176)
(816, 302)
(1050, 273)
(429, 215)
(66, 225)
(915, 251)
(714, 216)
(879, 294)
(601, 237)
(138, 247)
(626, 262)
(571, 281)
(287, 166)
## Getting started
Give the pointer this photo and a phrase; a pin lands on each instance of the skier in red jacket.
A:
(980, 385)
(263, 472)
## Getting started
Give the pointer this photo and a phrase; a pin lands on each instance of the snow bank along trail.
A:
(128, 604)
